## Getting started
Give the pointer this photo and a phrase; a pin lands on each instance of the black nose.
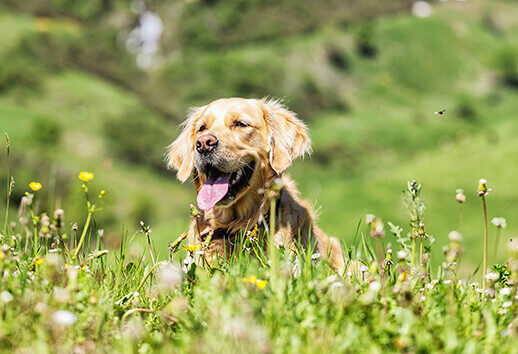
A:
(206, 143)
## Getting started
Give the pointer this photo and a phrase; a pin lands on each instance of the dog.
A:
(235, 149)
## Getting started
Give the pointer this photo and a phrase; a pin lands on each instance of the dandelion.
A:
(500, 223)
(192, 247)
(35, 186)
(64, 318)
(6, 297)
(455, 236)
(85, 176)
(170, 276)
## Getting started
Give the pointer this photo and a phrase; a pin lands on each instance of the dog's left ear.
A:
(288, 137)
(180, 154)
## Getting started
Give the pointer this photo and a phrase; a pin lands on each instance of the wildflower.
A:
(499, 222)
(461, 198)
(507, 304)
(6, 297)
(369, 218)
(401, 255)
(505, 291)
(170, 276)
(492, 276)
(375, 286)
(254, 281)
(38, 260)
(376, 225)
(315, 256)
(420, 231)
(482, 188)
(35, 186)
(192, 247)
(455, 236)
(64, 318)
(85, 176)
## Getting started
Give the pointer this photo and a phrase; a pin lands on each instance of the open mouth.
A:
(222, 188)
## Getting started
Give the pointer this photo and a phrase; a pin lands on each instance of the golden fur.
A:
(272, 137)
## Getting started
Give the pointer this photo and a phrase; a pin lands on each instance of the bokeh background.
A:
(102, 85)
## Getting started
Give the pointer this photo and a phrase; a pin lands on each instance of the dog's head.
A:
(232, 144)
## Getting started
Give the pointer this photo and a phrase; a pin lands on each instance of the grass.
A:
(74, 291)
(383, 133)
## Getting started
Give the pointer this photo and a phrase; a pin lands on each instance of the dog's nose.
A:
(206, 143)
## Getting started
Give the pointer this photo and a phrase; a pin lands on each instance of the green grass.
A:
(117, 301)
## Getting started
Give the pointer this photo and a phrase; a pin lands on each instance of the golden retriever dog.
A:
(234, 149)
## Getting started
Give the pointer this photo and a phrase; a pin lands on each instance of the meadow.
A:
(98, 264)
(68, 291)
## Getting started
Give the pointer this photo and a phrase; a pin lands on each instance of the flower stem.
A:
(497, 241)
(485, 244)
(420, 251)
(150, 249)
(85, 229)
(413, 252)
(460, 219)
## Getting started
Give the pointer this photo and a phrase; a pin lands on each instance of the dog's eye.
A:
(241, 124)
(202, 128)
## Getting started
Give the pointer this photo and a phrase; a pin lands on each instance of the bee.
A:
(440, 113)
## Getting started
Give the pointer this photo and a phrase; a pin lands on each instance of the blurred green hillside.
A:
(367, 77)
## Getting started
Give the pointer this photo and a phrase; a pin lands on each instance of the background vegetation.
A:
(367, 77)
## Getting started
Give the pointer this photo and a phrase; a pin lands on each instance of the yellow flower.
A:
(35, 186)
(192, 247)
(86, 176)
(254, 281)
(38, 260)
(261, 284)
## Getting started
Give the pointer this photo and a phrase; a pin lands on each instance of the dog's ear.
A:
(287, 135)
(180, 154)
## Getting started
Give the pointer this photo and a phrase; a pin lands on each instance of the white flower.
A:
(315, 256)
(6, 297)
(369, 218)
(64, 318)
(455, 236)
(505, 291)
(170, 276)
(336, 284)
(499, 222)
(375, 286)
(492, 276)
(507, 304)
(447, 282)
(401, 255)
(421, 9)
(364, 268)
(332, 278)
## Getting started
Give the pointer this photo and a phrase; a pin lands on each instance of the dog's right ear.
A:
(180, 154)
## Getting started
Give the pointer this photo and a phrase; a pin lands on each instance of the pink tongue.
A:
(213, 191)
